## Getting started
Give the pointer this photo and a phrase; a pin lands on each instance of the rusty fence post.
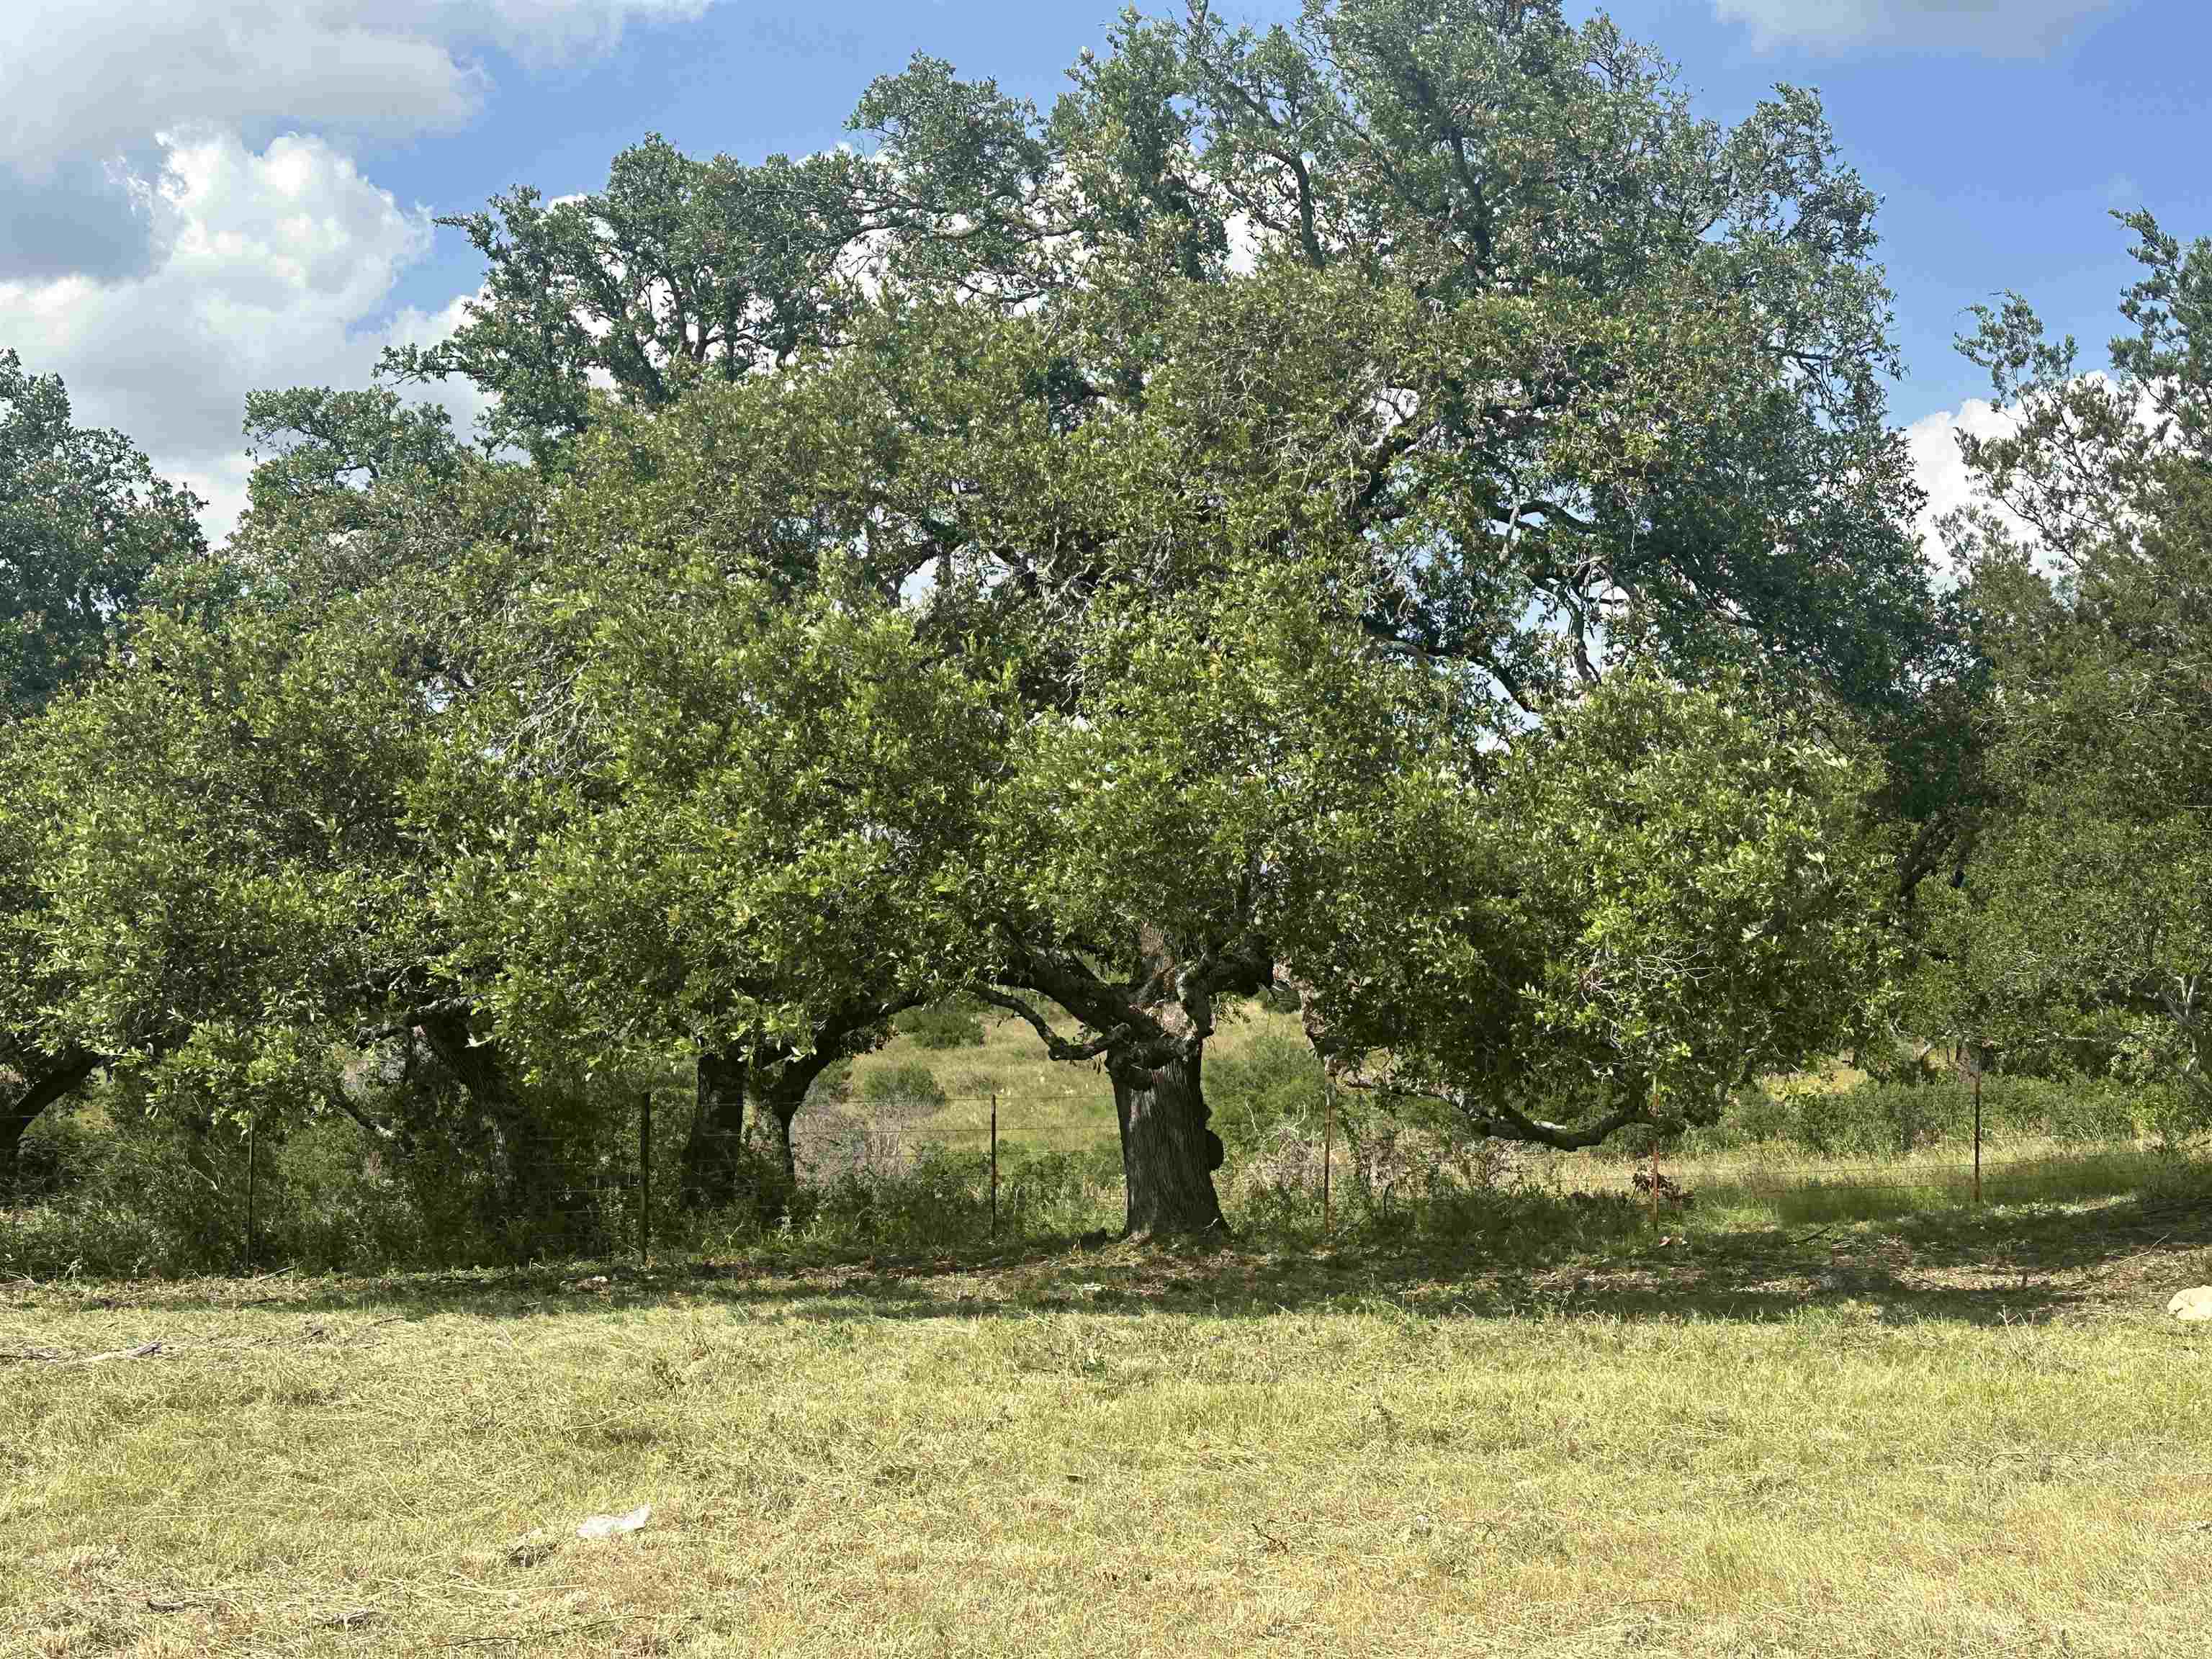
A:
(1328, 1146)
(645, 1177)
(252, 1132)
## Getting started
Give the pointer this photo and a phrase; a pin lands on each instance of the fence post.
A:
(645, 1177)
(252, 1132)
(1327, 1144)
(1978, 1123)
(995, 1163)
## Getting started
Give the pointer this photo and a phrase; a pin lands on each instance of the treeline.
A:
(1394, 513)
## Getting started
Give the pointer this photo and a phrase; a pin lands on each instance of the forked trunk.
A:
(523, 1174)
(780, 1103)
(19, 1111)
(1169, 1154)
(715, 1151)
(783, 1091)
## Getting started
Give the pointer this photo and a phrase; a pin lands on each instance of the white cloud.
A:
(275, 269)
(2001, 28)
(186, 223)
(85, 85)
(1932, 443)
(100, 77)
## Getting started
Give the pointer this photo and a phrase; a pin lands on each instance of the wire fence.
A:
(640, 1174)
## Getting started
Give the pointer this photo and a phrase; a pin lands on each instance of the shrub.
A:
(941, 1026)
(1275, 1084)
(910, 1089)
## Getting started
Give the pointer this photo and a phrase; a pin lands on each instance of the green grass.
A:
(1786, 1186)
(1542, 1428)
(1045, 1104)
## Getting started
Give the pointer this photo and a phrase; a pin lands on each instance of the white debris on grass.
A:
(2193, 1304)
(610, 1526)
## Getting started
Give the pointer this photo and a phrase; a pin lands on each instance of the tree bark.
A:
(523, 1169)
(783, 1090)
(56, 1082)
(780, 1099)
(715, 1150)
(1169, 1154)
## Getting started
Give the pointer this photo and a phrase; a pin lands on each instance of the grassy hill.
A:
(1044, 1104)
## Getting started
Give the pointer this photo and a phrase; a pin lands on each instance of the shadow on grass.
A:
(1745, 1249)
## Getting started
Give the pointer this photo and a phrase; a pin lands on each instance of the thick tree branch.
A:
(1054, 1045)
(1501, 1122)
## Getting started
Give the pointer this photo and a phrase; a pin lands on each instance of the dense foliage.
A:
(2080, 933)
(1393, 514)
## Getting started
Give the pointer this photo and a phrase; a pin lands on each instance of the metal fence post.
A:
(1327, 1144)
(252, 1132)
(1978, 1123)
(995, 1163)
(645, 1177)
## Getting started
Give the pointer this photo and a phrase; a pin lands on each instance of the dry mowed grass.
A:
(1958, 1435)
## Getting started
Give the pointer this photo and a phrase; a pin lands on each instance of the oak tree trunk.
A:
(21, 1110)
(784, 1091)
(1169, 1154)
(780, 1103)
(715, 1151)
(523, 1173)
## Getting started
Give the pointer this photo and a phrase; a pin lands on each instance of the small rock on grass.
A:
(532, 1547)
(2191, 1306)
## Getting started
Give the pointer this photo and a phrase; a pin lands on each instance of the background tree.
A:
(84, 525)
(677, 268)
(84, 522)
(2080, 927)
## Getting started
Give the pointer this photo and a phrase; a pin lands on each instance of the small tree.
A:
(1616, 921)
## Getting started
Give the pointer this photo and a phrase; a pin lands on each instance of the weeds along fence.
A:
(129, 1197)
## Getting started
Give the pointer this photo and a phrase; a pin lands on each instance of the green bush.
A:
(910, 1089)
(123, 1191)
(941, 1026)
(1275, 1084)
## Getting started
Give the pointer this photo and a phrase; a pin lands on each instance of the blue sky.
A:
(219, 194)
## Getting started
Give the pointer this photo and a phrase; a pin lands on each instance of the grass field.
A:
(1943, 1432)
(1049, 1105)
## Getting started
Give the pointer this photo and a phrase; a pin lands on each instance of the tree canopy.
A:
(1394, 505)
(84, 522)
(2080, 928)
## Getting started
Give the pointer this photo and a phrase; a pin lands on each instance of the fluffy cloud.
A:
(85, 85)
(100, 77)
(183, 222)
(275, 268)
(1999, 27)
(1933, 441)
